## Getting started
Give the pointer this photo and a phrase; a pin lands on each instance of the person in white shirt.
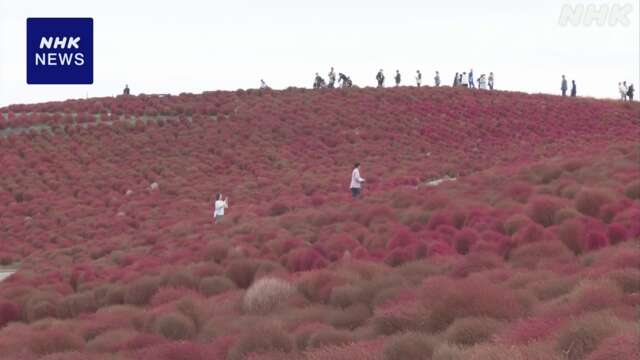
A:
(356, 181)
(491, 80)
(465, 80)
(218, 207)
(623, 91)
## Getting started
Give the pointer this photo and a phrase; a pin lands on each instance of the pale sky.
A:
(193, 46)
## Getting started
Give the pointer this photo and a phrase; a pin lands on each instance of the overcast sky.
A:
(193, 46)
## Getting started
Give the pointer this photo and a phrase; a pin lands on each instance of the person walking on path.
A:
(218, 208)
(380, 78)
(418, 78)
(574, 91)
(491, 79)
(356, 181)
(563, 86)
(397, 78)
(437, 79)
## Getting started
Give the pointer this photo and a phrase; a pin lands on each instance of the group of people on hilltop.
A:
(626, 92)
(467, 80)
(343, 81)
(564, 87)
(398, 78)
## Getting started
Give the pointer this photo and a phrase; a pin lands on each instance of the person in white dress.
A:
(218, 208)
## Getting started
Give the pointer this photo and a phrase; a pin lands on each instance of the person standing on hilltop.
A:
(574, 91)
(397, 78)
(491, 81)
(356, 181)
(380, 78)
(332, 78)
(436, 79)
(455, 81)
(464, 80)
(471, 83)
(482, 82)
(630, 92)
(623, 91)
(418, 78)
(218, 208)
(563, 86)
(126, 90)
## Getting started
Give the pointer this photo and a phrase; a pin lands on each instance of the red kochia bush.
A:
(469, 297)
(8, 312)
(464, 240)
(620, 347)
(590, 201)
(617, 233)
(542, 209)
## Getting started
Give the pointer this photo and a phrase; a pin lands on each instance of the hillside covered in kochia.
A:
(531, 253)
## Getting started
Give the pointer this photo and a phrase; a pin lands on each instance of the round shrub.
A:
(8, 312)
(141, 291)
(471, 331)
(515, 223)
(542, 209)
(330, 337)
(76, 304)
(261, 339)
(617, 233)
(590, 201)
(633, 190)
(267, 294)
(409, 346)
(573, 234)
(214, 285)
(53, 341)
(174, 326)
(464, 240)
(242, 272)
(583, 335)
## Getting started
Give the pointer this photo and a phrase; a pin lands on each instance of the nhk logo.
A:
(60, 51)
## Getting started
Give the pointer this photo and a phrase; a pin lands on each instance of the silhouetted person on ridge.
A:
(332, 78)
(318, 83)
(630, 92)
(356, 181)
(574, 91)
(491, 79)
(126, 90)
(436, 79)
(397, 78)
(563, 86)
(471, 83)
(418, 78)
(482, 82)
(380, 78)
(455, 81)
